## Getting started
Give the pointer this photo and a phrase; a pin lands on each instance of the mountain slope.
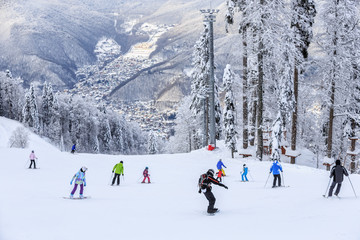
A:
(32, 205)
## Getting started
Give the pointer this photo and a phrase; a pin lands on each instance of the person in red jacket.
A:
(219, 175)
(146, 175)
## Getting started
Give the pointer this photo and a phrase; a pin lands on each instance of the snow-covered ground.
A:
(32, 206)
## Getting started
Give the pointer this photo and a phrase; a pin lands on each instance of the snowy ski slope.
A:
(32, 206)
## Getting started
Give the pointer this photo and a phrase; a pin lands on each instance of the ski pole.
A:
(26, 164)
(123, 177)
(283, 180)
(251, 176)
(139, 178)
(352, 186)
(111, 178)
(327, 187)
(267, 180)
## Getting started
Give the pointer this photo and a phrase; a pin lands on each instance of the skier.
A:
(146, 175)
(337, 172)
(205, 181)
(32, 159)
(119, 170)
(244, 173)
(219, 166)
(219, 175)
(73, 148)
(79, 180)
(275, 169)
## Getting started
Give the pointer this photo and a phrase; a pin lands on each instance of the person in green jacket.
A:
(119, 170)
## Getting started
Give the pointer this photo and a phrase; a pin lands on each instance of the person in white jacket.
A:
(32, 159)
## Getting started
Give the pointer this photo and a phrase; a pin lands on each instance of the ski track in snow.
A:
(32, 205)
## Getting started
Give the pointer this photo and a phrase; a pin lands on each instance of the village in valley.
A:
(113, 68)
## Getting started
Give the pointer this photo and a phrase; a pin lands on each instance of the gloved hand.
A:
(199, 190)
(225, 187)
(70, 182)
(112, 171)
(84, 184)
(123, 174)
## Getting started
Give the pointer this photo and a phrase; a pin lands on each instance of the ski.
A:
(77, 198)
(212, 214)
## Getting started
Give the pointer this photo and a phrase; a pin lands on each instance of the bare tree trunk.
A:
(331, 119)
(207, 121)
(245, 89)
(190, 141)
(259, 151)
(294, 115)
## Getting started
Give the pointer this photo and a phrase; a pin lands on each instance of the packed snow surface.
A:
(32, 206)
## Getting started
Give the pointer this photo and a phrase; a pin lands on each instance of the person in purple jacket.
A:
(32, 159)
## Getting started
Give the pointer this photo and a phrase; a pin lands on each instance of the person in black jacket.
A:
(337, 172)
(205, 186)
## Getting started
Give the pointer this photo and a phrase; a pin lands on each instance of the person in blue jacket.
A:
(219, 166)
(73, 148)
(275, 169)
(244, 173)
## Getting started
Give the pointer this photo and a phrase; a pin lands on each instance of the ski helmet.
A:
(338, 162)
(210, 172)
(32, 151)
(121, 161)
(244, 164)
(146, 168)
(83, 169)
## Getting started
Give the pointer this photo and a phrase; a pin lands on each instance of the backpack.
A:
(202, 178)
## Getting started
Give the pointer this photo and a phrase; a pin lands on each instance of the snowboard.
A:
(77, 198)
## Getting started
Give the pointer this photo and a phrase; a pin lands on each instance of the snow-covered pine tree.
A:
(243, 29)
(47, 109)
(229, 111)
(54, 129)
(104, 135)
(2, 112)
(218, 120)
(118, 138)
(8, 95)
(184, 126)
(339, 20)
(30, 110)
(199, 82)
(303, 14)
(152, 143)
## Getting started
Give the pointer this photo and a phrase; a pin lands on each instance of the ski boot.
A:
(71, 196)
(81, 196)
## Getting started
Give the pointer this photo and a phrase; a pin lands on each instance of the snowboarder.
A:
(219, 166)
(32, 159)
(275, 169)
(79, 180)
(244, 173)
(337, 172)
(205, 181)
(73, 149)
(219, 175)
(119, 170)
(146, 175)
